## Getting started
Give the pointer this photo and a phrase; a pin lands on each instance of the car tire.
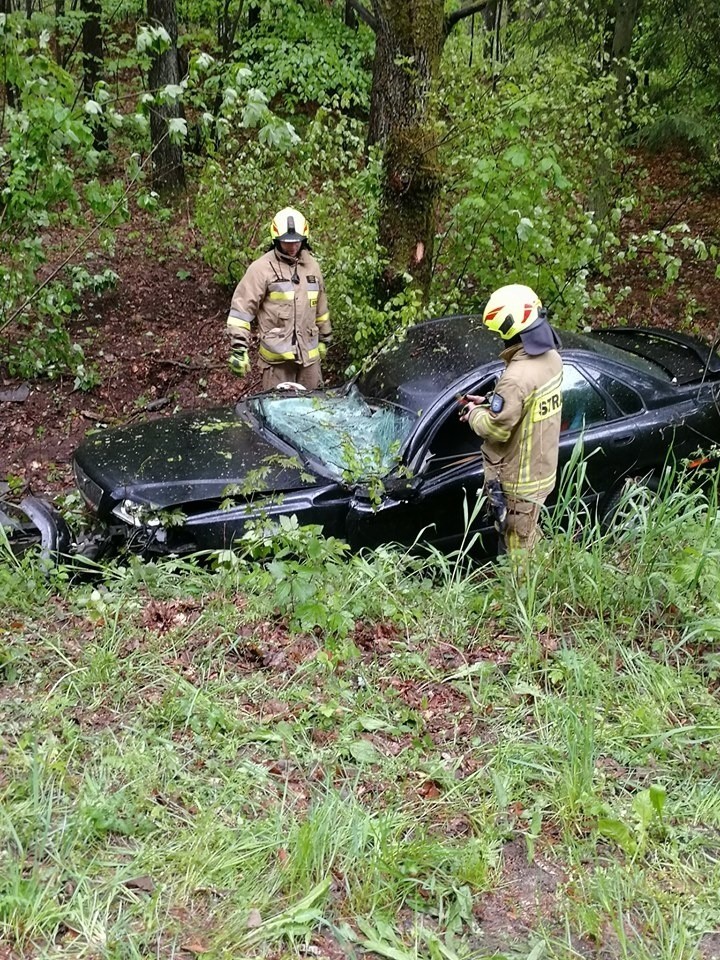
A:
(617, 513)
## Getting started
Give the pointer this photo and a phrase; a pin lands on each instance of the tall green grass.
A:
(190, 768)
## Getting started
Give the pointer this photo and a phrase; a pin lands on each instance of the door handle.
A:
(623, 439)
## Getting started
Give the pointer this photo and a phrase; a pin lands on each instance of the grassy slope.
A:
(412, 759)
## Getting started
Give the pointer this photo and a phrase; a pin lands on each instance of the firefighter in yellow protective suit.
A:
(520, 422)
(285, 292)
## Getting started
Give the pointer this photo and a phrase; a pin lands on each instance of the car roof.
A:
(426, 358)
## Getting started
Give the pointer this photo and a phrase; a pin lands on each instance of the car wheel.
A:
(34, 524)
(623, 510)
(16, 534)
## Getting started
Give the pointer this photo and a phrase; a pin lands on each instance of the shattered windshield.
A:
(351, 437)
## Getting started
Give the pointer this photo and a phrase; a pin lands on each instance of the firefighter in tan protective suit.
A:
(520, 422)
(285, 292)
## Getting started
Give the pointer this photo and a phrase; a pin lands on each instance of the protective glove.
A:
(239, 361)
(322, 349)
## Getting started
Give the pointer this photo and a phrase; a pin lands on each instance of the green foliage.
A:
(303, 574)
(314, 59)
(383, 759)
(522, 152)
(646, 812)
(46, 153)
(518, 210)
(679, 81)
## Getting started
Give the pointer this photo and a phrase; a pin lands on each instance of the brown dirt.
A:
(669, 194)
(158, 341)
(159, 338)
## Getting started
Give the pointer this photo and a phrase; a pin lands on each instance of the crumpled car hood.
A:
(186, 458)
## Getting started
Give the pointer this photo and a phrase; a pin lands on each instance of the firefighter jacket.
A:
(288, 299)
(521, 426)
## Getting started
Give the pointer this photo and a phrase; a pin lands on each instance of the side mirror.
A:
(402, 489)
(399, 489)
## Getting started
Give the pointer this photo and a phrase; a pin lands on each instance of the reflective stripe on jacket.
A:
(521, 439)
(292, 317)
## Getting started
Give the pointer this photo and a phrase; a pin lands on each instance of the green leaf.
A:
(364, 752)
(524, 228)
(171, 92)
(537, 951)
(643, 808)
(658, 796)
(177, 129)
(672, 268)
(370, 723)
(375, 942)
(517, 155)
(619, 832)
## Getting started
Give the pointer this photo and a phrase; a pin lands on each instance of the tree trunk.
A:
(409, 42)
(12, 94)
(168, 170)
(92, 61)
(625, 17)
(55, 39)
(626, 12)
(228, 24)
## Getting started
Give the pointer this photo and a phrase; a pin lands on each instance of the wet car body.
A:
(385, 458)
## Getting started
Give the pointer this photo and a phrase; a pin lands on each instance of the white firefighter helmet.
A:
(290, 225)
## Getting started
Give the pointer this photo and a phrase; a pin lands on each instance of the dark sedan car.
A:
(385, 457)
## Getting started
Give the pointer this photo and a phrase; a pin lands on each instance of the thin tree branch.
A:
(364, 14)
(4, 323)
(452, 18)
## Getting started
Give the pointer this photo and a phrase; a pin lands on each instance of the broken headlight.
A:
(136, 514)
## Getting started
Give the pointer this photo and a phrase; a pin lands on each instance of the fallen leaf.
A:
(254, 920)
(197, 946)
(144, 883)
(429, 790)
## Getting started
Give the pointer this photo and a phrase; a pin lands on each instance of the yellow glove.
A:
(322, 349)
(239, 361)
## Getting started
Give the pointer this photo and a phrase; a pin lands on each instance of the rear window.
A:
(670, 359)
(421, 361)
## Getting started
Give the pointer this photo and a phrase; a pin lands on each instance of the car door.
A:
(604, 423)
(441, 495)
(440, 502)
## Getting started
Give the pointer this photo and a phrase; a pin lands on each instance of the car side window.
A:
(583, 405)
(454, 441)
(627, 399)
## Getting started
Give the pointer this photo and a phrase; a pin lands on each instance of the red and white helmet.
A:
(512, 309)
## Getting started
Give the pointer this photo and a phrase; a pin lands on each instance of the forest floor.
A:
(158, 339)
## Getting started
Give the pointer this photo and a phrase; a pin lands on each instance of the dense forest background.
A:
(437, 150)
